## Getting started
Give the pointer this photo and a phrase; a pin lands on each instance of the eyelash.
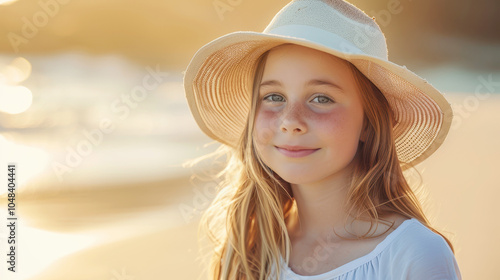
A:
(329, 100)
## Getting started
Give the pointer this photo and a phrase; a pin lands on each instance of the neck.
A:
(320, 206)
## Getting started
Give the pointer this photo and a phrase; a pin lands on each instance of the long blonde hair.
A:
(247, 221)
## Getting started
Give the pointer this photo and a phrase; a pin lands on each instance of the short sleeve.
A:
(424, 254)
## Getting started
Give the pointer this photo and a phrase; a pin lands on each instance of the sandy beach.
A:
(139, 231)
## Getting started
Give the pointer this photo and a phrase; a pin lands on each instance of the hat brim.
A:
(218, 86)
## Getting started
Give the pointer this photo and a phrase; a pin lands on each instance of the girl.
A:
(318, 127)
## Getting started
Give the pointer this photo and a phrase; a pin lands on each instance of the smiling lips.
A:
(295, 151)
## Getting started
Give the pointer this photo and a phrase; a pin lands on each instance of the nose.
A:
(292, 121)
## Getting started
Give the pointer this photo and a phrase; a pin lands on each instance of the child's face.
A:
(305, 130)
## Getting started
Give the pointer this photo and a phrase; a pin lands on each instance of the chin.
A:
(296, 178)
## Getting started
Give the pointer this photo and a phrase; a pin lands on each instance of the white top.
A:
(411, 251)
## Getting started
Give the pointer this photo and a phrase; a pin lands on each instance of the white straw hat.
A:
(219, 79)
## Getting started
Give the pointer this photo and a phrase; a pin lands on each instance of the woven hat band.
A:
(319, 36)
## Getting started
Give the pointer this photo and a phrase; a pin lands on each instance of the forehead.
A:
(289, 56)
(296, 65)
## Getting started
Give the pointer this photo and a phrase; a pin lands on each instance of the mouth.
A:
(295, 151)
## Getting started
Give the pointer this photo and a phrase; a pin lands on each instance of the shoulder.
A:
(419, 253)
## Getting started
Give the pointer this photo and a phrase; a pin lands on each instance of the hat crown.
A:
(334, 23)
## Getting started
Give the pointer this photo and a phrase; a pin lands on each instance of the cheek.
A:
(343, 127)
(265, 125)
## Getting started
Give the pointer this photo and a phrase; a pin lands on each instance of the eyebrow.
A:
(314, 82)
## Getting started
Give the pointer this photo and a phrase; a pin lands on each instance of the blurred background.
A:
(92, 112)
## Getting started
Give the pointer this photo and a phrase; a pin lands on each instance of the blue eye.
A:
(323, 99)
(274, 98)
